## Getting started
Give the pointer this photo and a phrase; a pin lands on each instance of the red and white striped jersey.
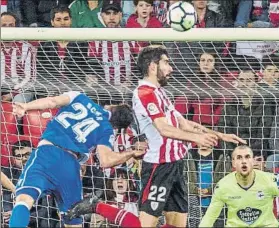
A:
(18, 64)
(122, 142)
(4, 4)
(149, 103)
(115, 58)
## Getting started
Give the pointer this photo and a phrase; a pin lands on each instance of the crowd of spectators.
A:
(229, 86)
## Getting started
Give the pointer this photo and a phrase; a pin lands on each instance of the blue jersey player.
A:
(79, 126)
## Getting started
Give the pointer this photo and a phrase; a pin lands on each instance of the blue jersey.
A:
(80, 126)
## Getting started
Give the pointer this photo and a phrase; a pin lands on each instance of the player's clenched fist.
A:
(19, 109)
(206, 140)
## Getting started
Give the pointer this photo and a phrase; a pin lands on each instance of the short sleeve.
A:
(107, 139)
(177, 114)
(72, 95)
(150, 103)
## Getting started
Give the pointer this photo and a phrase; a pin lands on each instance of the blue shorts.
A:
(52, 170)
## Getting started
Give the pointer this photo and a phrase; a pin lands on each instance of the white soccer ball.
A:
(181, 16)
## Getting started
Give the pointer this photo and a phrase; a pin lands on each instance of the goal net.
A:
(225, 79)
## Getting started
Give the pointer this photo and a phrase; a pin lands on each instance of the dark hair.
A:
(121, 116)
(136, 2)
(20, 144)
(12, 15)
(270, 60)
(59, 9)
(131, 194)
(152, 53)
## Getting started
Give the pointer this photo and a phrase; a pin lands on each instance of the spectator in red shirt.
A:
(143, 17)
(207, 106)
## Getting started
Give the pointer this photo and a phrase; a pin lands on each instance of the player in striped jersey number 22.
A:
(163, 186)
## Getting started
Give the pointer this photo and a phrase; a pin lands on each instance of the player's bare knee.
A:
(148, 220)
(24, 198)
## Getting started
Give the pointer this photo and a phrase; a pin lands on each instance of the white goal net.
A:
(224, 82)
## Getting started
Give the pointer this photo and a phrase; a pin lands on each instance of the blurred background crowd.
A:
(228, 86)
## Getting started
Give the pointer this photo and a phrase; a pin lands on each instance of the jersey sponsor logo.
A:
(260, 195)
(249, 215)
(152, 108)
(234, 197)
(82, 12)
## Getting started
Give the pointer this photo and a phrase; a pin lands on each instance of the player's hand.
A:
(206, 140)
(7, 216)
(19, 109)
(139, 149)
(231, 138)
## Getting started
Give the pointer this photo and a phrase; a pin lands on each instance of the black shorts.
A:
(163, 188)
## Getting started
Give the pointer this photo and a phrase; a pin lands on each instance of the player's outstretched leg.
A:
(21, 212)
(114, 215)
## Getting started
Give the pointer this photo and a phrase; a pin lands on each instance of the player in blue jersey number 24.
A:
(79, 127)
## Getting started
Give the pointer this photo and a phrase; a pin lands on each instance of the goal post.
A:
(143, 34)
(223, 78)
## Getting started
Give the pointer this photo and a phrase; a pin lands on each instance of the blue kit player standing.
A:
(79, 127)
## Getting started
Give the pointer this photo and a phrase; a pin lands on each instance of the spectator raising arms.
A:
(143, 17)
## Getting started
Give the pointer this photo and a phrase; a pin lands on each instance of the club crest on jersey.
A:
(260, 195)
(152, 108)
(249, 215)
(154, 205)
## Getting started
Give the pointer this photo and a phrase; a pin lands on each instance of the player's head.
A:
(121, 116)
(153, 62)
(242, 159)
(61, 17)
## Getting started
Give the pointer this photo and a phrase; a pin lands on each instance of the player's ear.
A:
(152, 66)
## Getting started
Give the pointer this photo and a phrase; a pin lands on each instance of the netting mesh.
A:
(228, 86)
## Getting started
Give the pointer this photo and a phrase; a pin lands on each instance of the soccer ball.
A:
(181, 16)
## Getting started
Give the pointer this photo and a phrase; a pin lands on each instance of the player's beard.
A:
(162, 79)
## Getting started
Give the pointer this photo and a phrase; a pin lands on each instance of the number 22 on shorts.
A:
(157, 193)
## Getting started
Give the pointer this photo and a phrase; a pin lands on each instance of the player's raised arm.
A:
(191, 126)
(213, 210)
(44, 103)
(5, 181)
(171, 132)
(108, 158)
